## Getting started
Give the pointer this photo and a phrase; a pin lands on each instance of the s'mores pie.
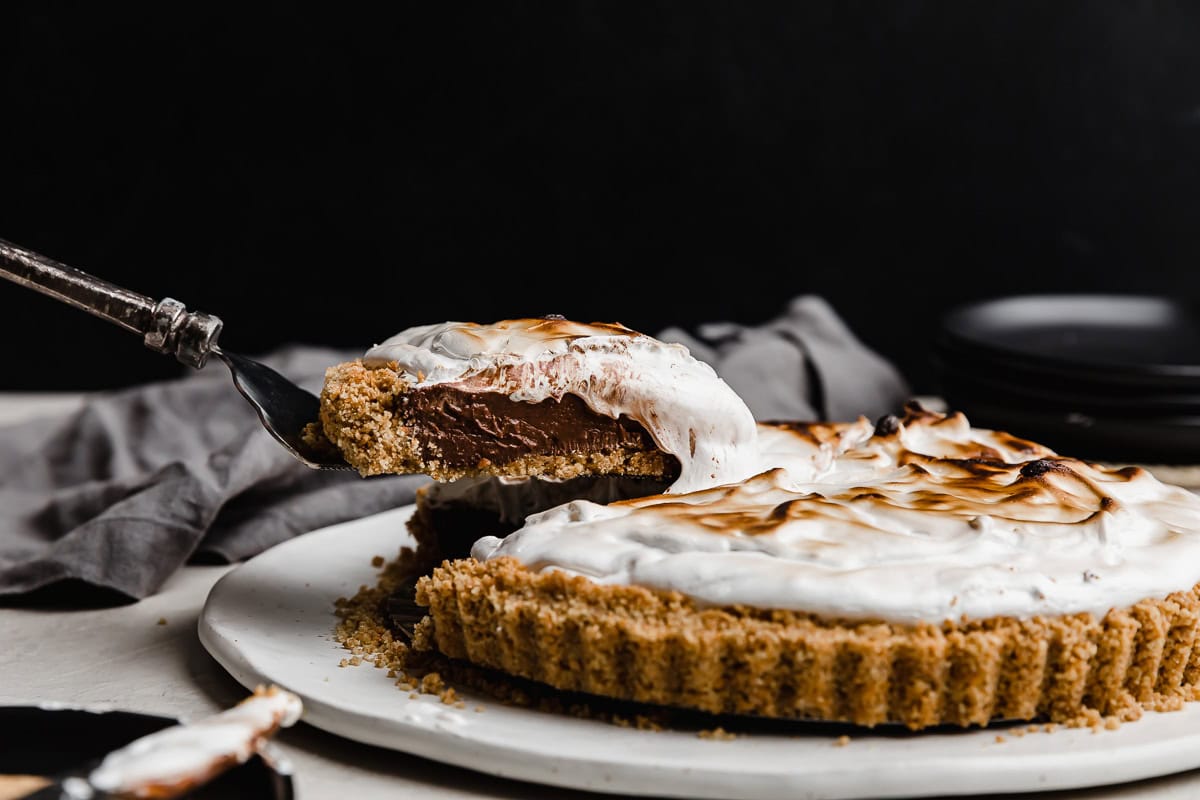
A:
(917, 571)
(547, 398)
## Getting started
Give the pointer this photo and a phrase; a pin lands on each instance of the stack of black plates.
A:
(1103, 377)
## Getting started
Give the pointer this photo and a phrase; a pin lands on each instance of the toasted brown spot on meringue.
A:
(887, 425)
(1041, 466)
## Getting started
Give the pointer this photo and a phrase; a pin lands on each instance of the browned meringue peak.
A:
(951, 435)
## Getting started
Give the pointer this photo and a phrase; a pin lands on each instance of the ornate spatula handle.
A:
(166, 326)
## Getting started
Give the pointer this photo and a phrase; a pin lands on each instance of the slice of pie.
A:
(546, 397)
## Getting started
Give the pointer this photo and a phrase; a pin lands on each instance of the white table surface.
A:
(121, 656)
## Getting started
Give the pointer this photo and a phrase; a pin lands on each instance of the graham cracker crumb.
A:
(377, 561)
(718, 733)
(1000, 739)
(841, 741)
(162, 621)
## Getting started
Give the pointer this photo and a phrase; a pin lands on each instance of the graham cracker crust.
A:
(363, 415)
(660, 648)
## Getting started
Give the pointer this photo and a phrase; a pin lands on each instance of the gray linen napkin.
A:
(104, 504)
(109, 501)
(805, 364)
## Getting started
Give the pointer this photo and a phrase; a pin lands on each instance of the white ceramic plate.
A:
(271, 619)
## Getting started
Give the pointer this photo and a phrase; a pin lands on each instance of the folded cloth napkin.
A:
(106, 503)
(805, 364)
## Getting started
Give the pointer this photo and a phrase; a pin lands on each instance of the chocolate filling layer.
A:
(465, 427)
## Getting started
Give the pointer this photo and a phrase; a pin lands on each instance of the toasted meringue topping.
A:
(920, 519)
(689, 411)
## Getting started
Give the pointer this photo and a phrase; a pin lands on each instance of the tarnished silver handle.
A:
(166, 326)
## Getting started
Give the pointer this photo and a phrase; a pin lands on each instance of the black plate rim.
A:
(951, 337)
(1136, 399)
(965, 356)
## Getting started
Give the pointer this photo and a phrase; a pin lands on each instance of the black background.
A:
(331, 176)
